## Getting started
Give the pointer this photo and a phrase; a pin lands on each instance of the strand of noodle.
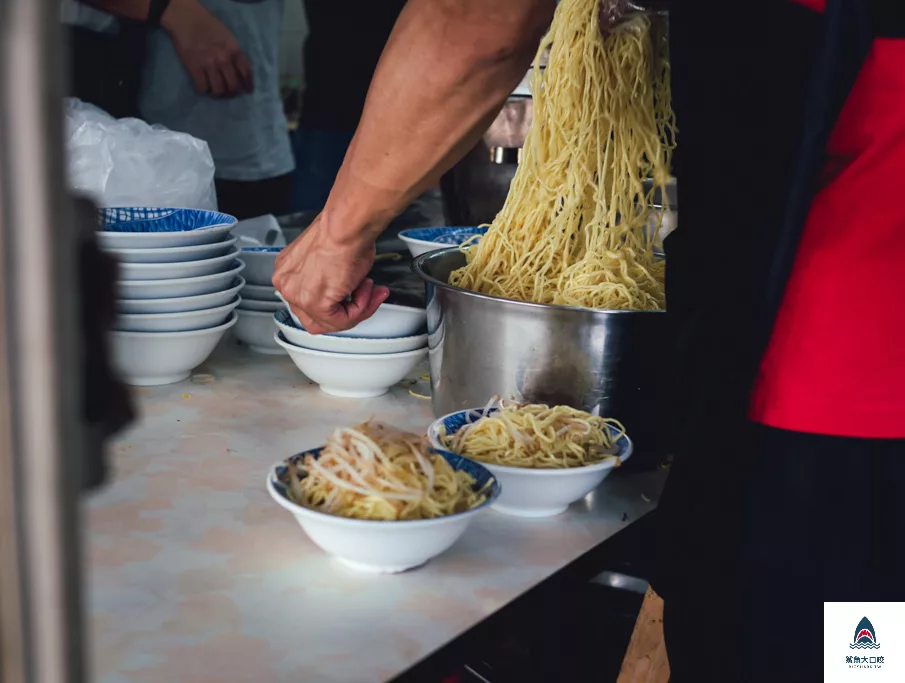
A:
(371, 450)
(336, 481)
(426, 467)
(374, 452)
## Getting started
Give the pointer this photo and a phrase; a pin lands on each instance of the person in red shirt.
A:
(785, 490)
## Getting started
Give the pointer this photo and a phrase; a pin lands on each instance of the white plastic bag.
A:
(126, 162)
(262, 231)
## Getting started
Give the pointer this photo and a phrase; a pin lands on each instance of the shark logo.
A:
(865, 636)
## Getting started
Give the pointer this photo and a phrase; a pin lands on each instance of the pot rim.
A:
(418, 268)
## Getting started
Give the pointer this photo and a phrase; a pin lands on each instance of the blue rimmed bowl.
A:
(422, 240)
(531, 492)
(390, 321)
(379, 546)
(297, 335)
(143, 227)
(260, 263)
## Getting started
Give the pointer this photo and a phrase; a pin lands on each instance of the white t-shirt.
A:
(247, 134)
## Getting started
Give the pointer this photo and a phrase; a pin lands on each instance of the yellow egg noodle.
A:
(574, 228)
(377, 472)
(537, 436)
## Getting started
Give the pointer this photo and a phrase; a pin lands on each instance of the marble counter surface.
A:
(195, 576)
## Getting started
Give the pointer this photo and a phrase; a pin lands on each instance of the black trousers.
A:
(809, 519)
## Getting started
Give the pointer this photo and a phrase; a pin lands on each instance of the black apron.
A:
(756, 97)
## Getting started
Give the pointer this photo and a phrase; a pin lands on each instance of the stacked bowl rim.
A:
(175, 270)
(135, 227)
(259, 292)
(180, 287)
(296, 335)
(182, 320)
(179, 304)
(195, 252)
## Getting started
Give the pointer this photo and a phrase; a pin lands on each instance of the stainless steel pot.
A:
(604, 362)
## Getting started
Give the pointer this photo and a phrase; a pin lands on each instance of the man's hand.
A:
(611, 13)
(325, 279)
(208, 50)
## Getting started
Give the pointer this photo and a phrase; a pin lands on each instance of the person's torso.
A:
(247, 134)
(834, 364)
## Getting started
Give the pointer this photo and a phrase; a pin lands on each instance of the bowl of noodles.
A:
(380, 499)
(546, 458)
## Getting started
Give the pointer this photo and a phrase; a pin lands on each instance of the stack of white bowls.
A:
(178, 285)
(362, 362)
(259, 300)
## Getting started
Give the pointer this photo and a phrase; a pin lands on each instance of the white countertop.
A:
(196, 576)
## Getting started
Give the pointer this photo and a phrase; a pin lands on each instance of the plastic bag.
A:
(262, 231)
(126, 162)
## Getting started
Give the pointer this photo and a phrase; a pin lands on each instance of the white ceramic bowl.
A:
(266, 306)
(182, 287)
(181, 304)
(177, 270)
(422, 240)
(159, 228)
(175, 322)
(259, 293)
(260, 263)
(328, 342)
(353, 375)
(255, 329)
(383, 547)
(152, 358)
(533, 492)
(388, 322)
(174, 254)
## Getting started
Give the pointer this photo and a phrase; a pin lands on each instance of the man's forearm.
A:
(447, 68)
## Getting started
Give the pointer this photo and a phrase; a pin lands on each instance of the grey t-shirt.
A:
(247, 134)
